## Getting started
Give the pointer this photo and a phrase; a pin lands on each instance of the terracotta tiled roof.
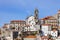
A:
(4, 27)
(48, 18)
(46, 24)
(44, 37)
(17, 21)
(30, 36)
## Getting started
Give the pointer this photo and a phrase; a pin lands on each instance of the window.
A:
(29, 21)
(9, 35)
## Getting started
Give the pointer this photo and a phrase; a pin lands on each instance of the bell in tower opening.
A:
(36, 15)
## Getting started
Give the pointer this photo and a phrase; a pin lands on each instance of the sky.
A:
(20, 9)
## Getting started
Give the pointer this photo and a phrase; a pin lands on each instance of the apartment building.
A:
(17, 24)
(6, 34)
(54, 33)
(53, 20)
(6, 26)
(46, 28)
(49, 20)
(32, 28)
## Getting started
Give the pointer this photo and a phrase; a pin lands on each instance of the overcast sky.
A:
(20, 9)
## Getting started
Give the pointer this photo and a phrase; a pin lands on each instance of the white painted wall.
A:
(31, 28)
(37, 27)
(31, 20)
(9, 37)
(45, 30)
(8, 26)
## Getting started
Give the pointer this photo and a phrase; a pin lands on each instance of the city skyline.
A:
(20, 9)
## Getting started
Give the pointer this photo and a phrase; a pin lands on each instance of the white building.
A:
(6, 34)
(6, 26)
(30, 20)
(46, 29)
(54, 33)
(30, 28)
(9, 36)
(32, 24)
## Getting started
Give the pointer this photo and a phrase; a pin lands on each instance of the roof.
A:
(44, 37)
(17, 21)
(46, 24)
(4, 27)
(48, 18)
(30, 36)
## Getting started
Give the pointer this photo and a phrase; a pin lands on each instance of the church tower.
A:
(36, 15)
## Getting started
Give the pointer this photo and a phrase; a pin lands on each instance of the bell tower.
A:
(36, 15)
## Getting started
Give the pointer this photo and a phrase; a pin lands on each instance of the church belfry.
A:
(36, 15)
